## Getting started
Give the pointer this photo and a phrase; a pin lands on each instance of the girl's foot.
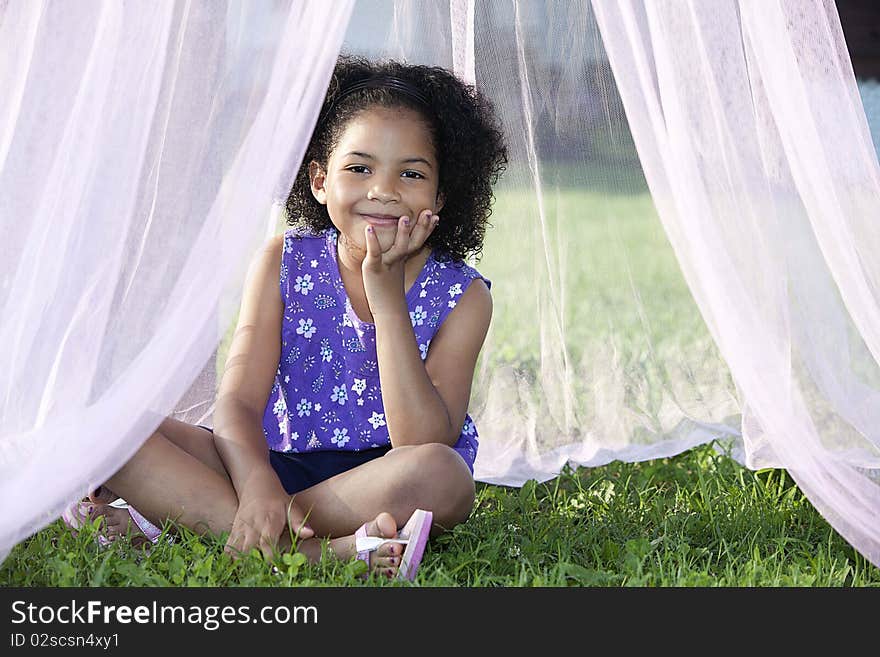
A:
(384, 560)
(102, 495)
(117, 522)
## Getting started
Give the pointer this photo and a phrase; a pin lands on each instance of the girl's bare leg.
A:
(432, 477)
(178, 474)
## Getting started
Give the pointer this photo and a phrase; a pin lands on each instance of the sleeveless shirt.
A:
(327, 394)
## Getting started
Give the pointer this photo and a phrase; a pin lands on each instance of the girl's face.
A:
(382, 168)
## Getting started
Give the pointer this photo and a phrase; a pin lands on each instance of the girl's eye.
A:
(412, 174)
(357, 168)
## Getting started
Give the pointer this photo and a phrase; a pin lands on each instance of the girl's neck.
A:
(349, 257)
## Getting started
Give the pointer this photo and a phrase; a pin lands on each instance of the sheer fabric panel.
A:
(754, 143)
(141, 148)
(680, 250)
(597, 350)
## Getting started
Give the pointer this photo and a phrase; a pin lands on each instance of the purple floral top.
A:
(327, 394)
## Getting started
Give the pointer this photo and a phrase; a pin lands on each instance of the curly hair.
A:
(466, 136)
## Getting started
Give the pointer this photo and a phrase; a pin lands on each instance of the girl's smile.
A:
(381, 219)
(383, 167)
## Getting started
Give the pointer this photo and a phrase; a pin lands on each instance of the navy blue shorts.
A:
(298, 471)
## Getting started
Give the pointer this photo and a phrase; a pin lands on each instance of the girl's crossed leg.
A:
(178, 474)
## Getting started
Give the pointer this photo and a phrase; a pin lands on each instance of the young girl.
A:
(343, 405)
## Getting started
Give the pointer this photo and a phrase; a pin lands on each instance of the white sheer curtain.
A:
(679, 251)
(142, 145)
(752, 136)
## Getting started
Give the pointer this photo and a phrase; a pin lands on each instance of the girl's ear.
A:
(440, 202)
(317, 177)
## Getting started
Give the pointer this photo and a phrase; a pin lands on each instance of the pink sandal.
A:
(77, 514)
(414, 535)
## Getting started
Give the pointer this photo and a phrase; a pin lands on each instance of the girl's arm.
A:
(251, 364)
(427, 401)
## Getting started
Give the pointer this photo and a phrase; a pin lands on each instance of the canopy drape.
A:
(679, 249)
(142, 146)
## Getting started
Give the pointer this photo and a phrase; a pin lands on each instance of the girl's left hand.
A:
(383, 270)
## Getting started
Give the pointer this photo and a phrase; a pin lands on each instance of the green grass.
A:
(697, 519)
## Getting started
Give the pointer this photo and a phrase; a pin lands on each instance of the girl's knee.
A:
(445, 471)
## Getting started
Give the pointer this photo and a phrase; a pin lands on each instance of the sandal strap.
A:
(371, 543)
(360, 534)
(149, 529)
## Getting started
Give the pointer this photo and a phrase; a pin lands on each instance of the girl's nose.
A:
(383, 192)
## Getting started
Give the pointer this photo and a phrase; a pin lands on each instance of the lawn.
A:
(696, 519)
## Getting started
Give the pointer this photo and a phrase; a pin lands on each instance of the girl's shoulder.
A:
(298, 239)
(454, 269)
(299, 233)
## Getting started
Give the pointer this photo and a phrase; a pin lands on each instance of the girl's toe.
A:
(386, 561)
(386, 525)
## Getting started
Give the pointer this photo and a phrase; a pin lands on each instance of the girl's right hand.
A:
(265, 510)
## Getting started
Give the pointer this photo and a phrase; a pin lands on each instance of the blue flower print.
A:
(326, 351)
(279, 408)
(454, 290)
(340, 437)
(359, 386)
(468, 429)
(354, 345)
(417, 317)
(324, 301)
(313, 443)
(304, 407)
(340, 396)
(304, 284)
(377, 420)
(423, 349)
(307, 328)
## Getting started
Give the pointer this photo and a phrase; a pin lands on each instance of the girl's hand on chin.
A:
(383, 271)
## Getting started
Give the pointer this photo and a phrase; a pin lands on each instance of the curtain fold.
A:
(750, 130)
(143, 147)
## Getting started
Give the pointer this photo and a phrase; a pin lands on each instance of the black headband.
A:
(378, 82)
